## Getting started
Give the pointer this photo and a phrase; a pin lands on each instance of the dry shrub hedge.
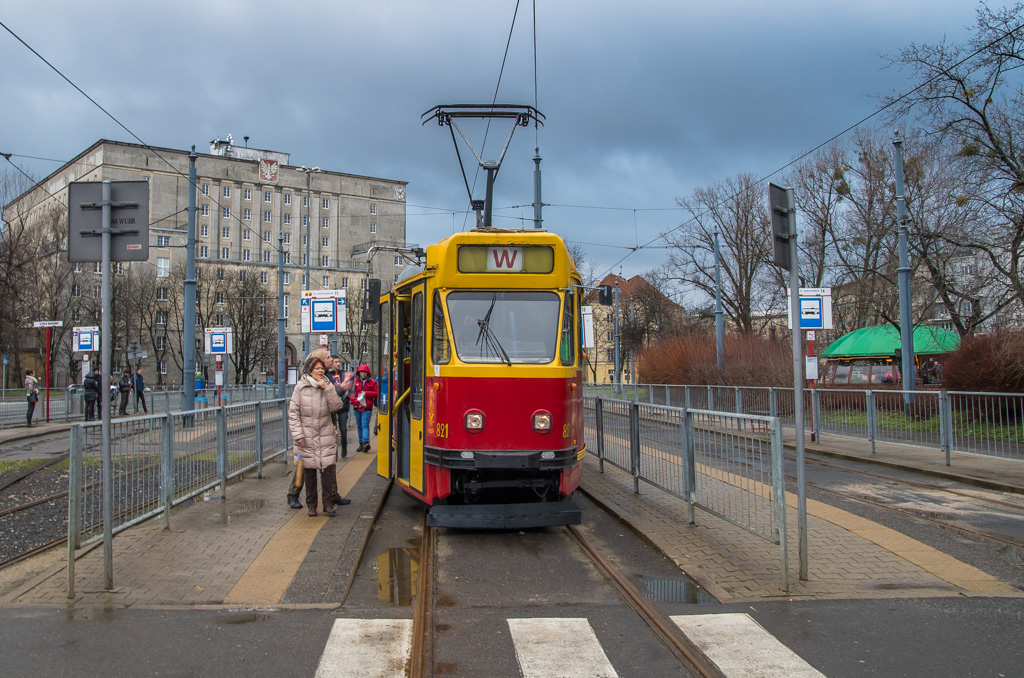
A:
(992, 362)
(750, 360)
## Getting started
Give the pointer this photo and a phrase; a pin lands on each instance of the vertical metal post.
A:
(281, 376)
(618, 354)
(167, 465)
(779, 500)
(222, 451)
(946, 424)
(738, 398)
(869, 405)
(689, 465)
(719, 313)
(634, 445)
(259, 440)
(188, 377)
(599, 416)
(816, 413)
(686, 396)
(46, 375)
(798, 380)
(903, 276)
(773, 402)
(74, 503)
(104, 397)
(538, 222)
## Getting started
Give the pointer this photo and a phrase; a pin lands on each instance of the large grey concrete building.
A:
(246, 199)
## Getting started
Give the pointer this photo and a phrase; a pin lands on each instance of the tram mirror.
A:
(371, 302)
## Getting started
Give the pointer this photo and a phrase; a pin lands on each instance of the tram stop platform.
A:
(252, 550)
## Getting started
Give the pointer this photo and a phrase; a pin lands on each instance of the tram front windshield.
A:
(504, 327)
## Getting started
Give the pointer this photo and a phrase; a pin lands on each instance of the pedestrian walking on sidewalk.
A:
(124, 387)
(91, 387)
(363, 396)
(296, 486)
(31, 394)
(312, 429)
(139, 384)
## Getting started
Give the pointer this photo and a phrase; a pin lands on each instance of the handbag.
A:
(33, 397)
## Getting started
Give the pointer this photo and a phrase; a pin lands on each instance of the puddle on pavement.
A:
(675, 591)
(398, 576)
(239, 509)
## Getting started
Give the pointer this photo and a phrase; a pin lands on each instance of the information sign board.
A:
(323, 311)
(219, 341)
(85, 339)
(129, 221)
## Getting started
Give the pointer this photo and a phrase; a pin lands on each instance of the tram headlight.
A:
(474, 421)
(542, 422)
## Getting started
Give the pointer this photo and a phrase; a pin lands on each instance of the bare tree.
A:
(252, 317)
(737, 209)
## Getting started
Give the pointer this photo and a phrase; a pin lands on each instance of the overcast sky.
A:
(645, 100)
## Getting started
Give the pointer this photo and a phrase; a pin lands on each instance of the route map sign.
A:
(323, 311)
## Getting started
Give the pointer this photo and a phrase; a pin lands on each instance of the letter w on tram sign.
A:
(504, 258)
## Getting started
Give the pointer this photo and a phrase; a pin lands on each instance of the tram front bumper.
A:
(505, 516)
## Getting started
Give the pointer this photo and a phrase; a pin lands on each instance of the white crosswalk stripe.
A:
(742, 647)
(559, 648)
(366, 648)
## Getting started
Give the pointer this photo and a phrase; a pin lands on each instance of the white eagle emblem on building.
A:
(269, 170)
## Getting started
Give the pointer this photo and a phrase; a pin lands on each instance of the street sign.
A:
(85, 339)
(219, 341)
(815, 309)
(322, 311)
(324, 340)
(588, 326)
(5, 359)
(48, 323)
(129, 221)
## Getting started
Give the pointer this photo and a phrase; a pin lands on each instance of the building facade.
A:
(252, 207)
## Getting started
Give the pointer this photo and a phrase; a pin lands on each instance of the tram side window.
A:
(416, 368)
(566, 348)
(440, 346)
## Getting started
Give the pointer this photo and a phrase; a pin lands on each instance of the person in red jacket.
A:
(363, 396)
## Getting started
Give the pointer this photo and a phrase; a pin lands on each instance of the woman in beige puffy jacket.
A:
(309, 419)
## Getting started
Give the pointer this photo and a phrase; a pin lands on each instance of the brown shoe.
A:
(312, 513)
(329, 511)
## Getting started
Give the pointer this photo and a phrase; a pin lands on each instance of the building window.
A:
(97, 291)
(266, 216)
(344, 283)
(163, 267)
(226, 233)
(162, 294)
(199, 272)
(398, 260)
(611, 336)
(266, 256)
(247, 214)
(305, 281)
(287, 219)
(325, 241)
(226, 212)
(246, 234)
(373, 227)
(163, 241)
(287, 238)
(287, 278)
(225, 252)
(397, 276)
(286, 299)
(266, 236)
(204, 230)
(161, 366)
(305, 239)
(227, 191)
(205, 210)
(161, 317)
(611, 354)
(219, 320)
(324, 260)
(248, 194)
(99, 267)
(287, 258)
(609, 317)
(161, 343)
(325, 203)
(204, 251)
(220, 274)
(327, 283)
(76, 315)
(206, 189)
(78, 267)
(287, 198)
(220, 299)
(264, 277)
(76, 290)
(266, 196)
(325, 222)
(305, 219)
(246, 254)
(305, 259)
(305, 201)
(373, 208)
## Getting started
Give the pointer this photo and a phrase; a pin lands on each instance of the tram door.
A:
(387, 386)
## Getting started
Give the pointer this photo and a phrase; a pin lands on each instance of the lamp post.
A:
(309, 220)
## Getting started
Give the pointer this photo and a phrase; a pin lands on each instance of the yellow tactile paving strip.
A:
(267, 579)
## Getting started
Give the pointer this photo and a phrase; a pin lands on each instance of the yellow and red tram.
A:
(482, 359)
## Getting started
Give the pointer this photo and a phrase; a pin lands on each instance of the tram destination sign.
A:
(129, 221)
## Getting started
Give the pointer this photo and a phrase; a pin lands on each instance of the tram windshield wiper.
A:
(487, 335)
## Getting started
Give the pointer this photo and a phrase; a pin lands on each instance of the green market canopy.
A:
(881, 341)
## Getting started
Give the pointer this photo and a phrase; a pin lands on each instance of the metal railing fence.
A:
(159, 461)
(727, 463)
(971, 423)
